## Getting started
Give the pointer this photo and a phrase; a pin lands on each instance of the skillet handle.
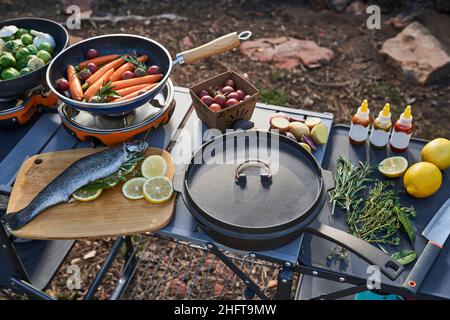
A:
(177, 182)
(217, 46)
(388, 266)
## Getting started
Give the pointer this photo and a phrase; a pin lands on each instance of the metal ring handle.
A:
(241, 178)
(244, 35)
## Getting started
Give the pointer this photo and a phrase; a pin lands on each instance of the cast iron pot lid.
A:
(136, 118)
(253, 181)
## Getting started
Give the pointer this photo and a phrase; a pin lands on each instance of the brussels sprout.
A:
(9, 73)
(7, 60)
(32, 49)
(6, 39)
(23, 63)
(44, 55)
(46, 46)
(26, 39)
(35, 63)
(25, 70)
(20, 33)
(13, 45)
(22, 53)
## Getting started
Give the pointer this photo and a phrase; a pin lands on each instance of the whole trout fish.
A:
(84, 171)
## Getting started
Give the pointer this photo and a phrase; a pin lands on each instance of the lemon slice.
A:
(393, 167)
(132, 189)
(85, 196)
(158, 189)
(154, 166)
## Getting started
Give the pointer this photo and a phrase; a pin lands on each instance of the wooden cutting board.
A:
(110, 215)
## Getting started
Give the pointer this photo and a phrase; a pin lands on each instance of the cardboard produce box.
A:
(224, 119)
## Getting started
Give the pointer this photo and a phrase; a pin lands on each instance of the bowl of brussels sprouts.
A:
(27, 45)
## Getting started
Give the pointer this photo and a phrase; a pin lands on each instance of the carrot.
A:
(126, 67)
(135, 81)
(99, 60)
(74, 83)
(92, 90)
(137, 92)
(126, 91)
(113, 64)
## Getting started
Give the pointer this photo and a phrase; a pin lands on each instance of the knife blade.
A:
(436, 232)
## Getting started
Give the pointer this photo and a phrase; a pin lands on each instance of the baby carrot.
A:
(99, 60)
(74, 83)
(136, 93)
(113, 64)
(92, 90)
(126, 91)
(126, 67)
(135, 81)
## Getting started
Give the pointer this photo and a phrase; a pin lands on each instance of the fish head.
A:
(135, 147)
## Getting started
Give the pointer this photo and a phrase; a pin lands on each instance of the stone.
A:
(287, 53)
(337, 5)
(442, 5)
(422, 58)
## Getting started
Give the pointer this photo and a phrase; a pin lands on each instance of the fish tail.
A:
(16, 220)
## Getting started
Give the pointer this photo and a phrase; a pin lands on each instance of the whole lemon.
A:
(422, 179)
(437, 151)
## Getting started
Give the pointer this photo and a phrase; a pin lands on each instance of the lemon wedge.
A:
(393, 167)
(158, 189)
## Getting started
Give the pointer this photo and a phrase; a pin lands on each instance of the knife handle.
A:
(422, 267)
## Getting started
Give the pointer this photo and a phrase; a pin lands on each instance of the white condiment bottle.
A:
(402, 132)
(379, 136)
(359, 128)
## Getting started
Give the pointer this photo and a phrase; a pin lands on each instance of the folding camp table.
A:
(33, 264)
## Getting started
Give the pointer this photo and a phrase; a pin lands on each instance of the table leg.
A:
(251, 285)
(11, 255)
(284, 283)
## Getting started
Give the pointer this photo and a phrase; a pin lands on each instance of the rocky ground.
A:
(357, 70)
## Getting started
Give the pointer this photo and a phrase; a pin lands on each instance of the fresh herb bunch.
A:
(381, 216)
(105, 91)
(376, 218)
(350, 181)
(132, 58)
(126, 169)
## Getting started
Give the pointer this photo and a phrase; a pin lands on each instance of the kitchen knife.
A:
(437, 232)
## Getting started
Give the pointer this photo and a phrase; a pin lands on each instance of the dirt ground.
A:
(356, 72)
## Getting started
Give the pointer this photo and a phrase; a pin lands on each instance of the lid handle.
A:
(265, 172)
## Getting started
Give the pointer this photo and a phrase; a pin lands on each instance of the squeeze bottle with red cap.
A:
(359, 128)
(379, 136)
(401, 134)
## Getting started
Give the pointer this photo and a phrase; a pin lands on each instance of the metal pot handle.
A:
(177, 182)
(328, 178)
(241, 178)
(217, 46)
(388, 266)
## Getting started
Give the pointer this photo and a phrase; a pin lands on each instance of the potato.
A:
(307, 147)
(320, 134)
(298, 129)
(281, 123)
(311, 122)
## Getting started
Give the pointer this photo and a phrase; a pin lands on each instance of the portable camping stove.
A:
(19, 110)
(113, 129)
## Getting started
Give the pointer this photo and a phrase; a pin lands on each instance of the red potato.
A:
(230, 83)
(91, 54)
(127, 75)
(231, 102)
(203, 93)
(241, 94)
(227, 89)
(215, 107)
(154, 70)
(247, 97)
(208, 100)
(233, 95)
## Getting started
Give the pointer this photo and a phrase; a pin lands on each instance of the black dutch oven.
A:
(257, 190)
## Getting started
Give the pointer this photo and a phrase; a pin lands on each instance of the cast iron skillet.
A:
(20, 85)
(125, 43)
(250, 205)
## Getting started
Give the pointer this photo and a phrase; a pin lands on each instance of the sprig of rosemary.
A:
(133, 59)
(105, 91)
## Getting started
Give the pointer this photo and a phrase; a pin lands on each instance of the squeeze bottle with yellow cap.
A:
(379, 136)
(359, 128)
(401, 134)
